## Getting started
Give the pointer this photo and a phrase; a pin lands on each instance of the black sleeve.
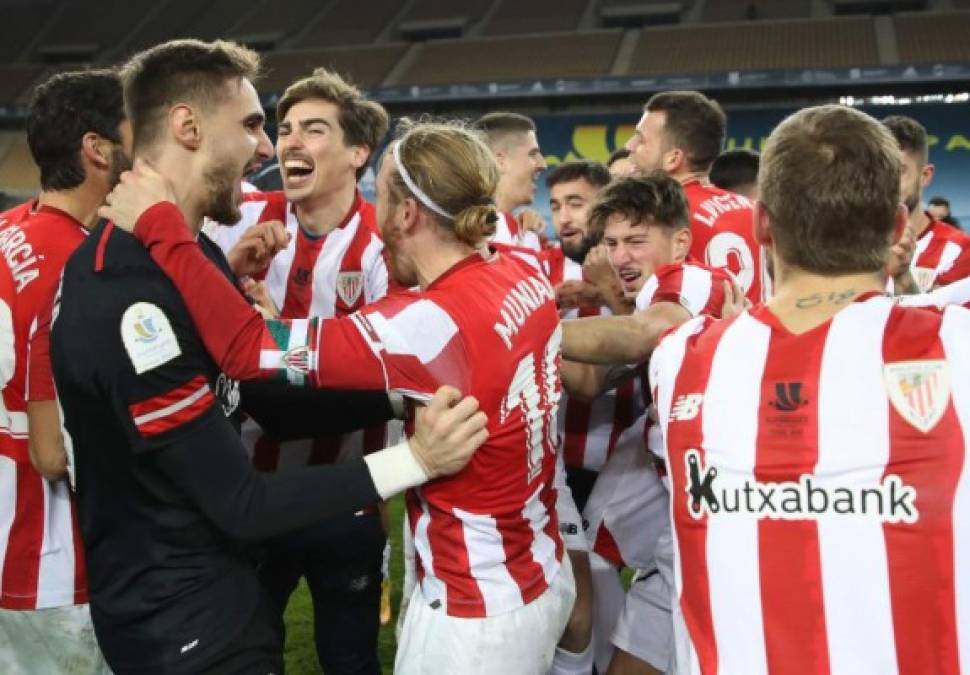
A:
(212, 467)
(286, 412)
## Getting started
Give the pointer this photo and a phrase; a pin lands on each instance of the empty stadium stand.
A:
(753, 45)
(540, 16)
(347, 22)
(22, 20)
(931, 38)
(18, 174)
(742, 10)
(366, 66)
(574, 54)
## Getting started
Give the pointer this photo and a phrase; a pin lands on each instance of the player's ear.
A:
(761, 224)
(95, 150)
(926, 175)
(412, 213)
(183, 125)
(674, 160)
(359, 154)
(682, 241)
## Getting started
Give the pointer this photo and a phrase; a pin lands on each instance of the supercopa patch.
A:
(148, 337)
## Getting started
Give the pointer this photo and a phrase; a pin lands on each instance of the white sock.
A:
(571, 663)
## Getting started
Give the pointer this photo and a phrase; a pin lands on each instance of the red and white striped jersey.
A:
(942, 256)
(332, 275)
(629, 498)
(957, 293)
(721, 224)
(821, 493)
(41, 559)
(591, 431)
(509, 232)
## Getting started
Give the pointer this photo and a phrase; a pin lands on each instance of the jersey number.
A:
(535, 390)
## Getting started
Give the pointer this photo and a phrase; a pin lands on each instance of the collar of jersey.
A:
(470, 261)
(354, 209)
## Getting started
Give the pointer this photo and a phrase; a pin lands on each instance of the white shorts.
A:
(522, 641)
(570, 522)
(645, 626)
(55, 640)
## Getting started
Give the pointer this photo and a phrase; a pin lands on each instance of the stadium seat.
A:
(753, 45)
(740, 10)
(539, 16)
(365, 66)
(16, 81)
(22, 21)
(103, 22)
(510, 58)
(348, 22)
(18, 173)
(272, 22)
(933, 38)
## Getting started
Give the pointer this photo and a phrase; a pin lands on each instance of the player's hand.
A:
(734, 300)
(532, 221)
(447, 432)
(138, 190)
(597, 268)
(260, 294)
(257, 246)
(573, 293)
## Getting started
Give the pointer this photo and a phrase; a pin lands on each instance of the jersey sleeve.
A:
(697, 289)
(959, 269)
(395, 344)
(40, 381)
(155, 368)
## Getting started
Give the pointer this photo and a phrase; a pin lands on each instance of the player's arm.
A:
(619, 339)
(211, 466)
(586, 381)
(287, 413)
(45, 438)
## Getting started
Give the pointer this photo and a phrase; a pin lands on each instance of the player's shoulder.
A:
(521, 256)
(16, 214)
(948, 232)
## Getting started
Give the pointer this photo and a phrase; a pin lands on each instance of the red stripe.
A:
(787, 448)
(176, 418)
(352, 261)
(695, 598)
(414, 512)
(299, 282)
(21, 566)
(606, 546)
(920, 555)
(102, 244)
(578, 414)
(623, 413)
(80, 567)
(449, 553)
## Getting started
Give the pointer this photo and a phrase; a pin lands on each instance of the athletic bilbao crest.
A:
(349, 287)
(919, 391)
(924, 278)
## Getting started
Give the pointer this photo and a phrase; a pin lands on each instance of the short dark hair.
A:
(180, 71)
(654, 199)
(497, 125)
(694, 123)
(939, 201)
(735, 168)
(618, 154)
(909, 134)
(829, 180)
(594, 173)
(65, 108)
(364, 122)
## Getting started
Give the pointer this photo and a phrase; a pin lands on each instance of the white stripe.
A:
(695, 289)
(431, 586)
(953, 332)
(8, 506)
(645, 296)
(853, 448)
(375, 270)
(326, 268)
(278, 275)
(55, 580)
(730, 430)
(665, 364)
(503, 234)
(543, 547)
(921, 245)
(422, 329)
(950, 253)
(175, 407)
(298, 333)
(486, 560)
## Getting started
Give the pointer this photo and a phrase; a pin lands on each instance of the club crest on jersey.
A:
(349, 287)
(148, 337)
(919, 391)
(924, 278)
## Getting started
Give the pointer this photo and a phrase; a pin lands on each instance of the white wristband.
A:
(394, 470)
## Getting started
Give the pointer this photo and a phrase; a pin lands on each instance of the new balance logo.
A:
(890, 501)
(788, 397)
(686, 407)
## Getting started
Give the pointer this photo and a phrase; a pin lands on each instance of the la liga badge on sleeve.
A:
(148, 337)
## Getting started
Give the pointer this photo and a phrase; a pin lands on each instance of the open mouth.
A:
(297, 172)
(630, 278)
(570, 233)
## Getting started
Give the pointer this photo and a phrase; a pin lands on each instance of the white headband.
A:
(412, 186)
